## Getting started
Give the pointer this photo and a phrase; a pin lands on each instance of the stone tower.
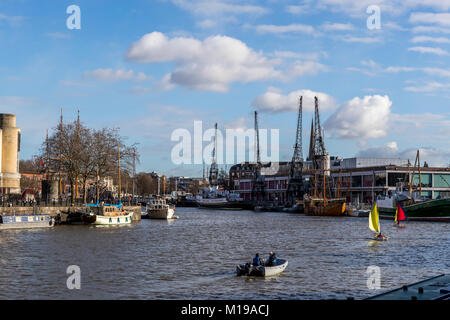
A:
(9, 157)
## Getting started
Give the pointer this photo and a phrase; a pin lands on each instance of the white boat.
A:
(107, 215)
(214, 198)
(104, 214)
(26, 222)
(159, 209)
(263, 270)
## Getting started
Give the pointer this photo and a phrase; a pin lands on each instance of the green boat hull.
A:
(433, 210)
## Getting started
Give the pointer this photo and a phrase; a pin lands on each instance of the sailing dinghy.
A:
(400, 215)
(374, 224)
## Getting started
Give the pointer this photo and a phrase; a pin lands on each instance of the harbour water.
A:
(195, 256)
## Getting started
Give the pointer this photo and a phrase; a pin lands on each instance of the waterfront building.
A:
(360, 179)
(186, 185)
(9, 157)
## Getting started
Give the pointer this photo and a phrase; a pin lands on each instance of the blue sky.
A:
(150, 67)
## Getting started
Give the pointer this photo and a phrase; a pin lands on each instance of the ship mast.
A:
(214, 170)
(416, 165)
(295, 186)
(258, 180)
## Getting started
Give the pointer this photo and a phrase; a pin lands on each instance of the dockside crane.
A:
(258, 183)
(295, 186)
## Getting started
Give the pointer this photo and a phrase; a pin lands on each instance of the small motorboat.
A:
(261, 271)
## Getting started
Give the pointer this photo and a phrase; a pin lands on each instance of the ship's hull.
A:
(108, 220)
(220, 203)
(433, 210)
(329, 209)
(187, 203)
(26, 222)
(161, 214)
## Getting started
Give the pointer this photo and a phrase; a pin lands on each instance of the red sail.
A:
(401, 216)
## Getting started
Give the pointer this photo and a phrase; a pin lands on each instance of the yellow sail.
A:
(374, 224)
(396, 215)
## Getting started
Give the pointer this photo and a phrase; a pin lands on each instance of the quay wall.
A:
(54, 211)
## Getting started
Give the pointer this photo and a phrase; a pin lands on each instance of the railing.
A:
(67, 202)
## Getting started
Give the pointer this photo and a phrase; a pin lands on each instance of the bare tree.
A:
(79, 154)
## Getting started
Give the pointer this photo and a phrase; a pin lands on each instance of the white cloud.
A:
(273, 100)
(419, 39)
(214, 8)
(361, 119)
(391, 7)
(393, 26)
(366, 40)
(115, 75)
(432, 50)
(214, 63)
(302, 68)
(11, 20)
(328, 26)
(429, 87)
(442, 19)
(433, 156)
(298, 55)
(430, 29)
(165, 83)
(431, 71)
(297, 9)
(279, 29)
(207, 23)
(370, 68)
(389, 150)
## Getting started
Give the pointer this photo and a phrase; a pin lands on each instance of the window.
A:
(441, 180)
(425, 180)
(394, 178)
(356, 181)
(367, 181)
(380, 179)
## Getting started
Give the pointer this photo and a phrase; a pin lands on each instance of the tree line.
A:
(77, 154)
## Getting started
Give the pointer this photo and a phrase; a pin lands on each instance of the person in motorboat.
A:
(272, 259)
(257, 261)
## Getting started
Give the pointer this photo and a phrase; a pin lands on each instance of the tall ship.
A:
(320, 203)
(319, 200)
(416, 206)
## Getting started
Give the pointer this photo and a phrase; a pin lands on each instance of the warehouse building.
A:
(359, 179)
